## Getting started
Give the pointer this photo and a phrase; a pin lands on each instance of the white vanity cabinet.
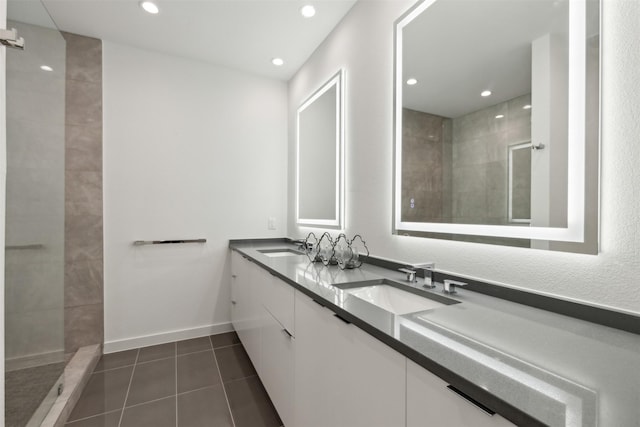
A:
(430, 403)
(343, 376)
(239, 294)
(278, 345)
(321, 371)
(246, 314)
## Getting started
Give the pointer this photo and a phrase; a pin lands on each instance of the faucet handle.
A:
(450, 286)
(411, 274)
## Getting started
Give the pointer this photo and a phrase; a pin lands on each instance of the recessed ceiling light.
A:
(412, 81)
(150, 7)
(46, 68)
(277, 62)
(485, 93)
(526, 107)
(500, 116)
(308, 11)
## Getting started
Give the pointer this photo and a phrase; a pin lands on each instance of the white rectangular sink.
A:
(273, 253)
(393, 299)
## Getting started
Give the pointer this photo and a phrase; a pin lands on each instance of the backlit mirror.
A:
(320, 158)
(497, 122)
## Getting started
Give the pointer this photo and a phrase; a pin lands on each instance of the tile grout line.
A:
(224, 389)
(242, 378)
(128, 389)
(91, 416)
(149, 401)
(227, 346)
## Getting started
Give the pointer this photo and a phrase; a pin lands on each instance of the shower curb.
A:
(76, 374)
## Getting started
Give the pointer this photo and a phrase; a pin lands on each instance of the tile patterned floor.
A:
(207, 381)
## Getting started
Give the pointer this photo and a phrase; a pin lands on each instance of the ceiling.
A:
(458, 48)
(240, 34)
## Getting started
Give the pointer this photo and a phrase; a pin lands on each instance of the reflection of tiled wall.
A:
(84, 322)
(480, 164)
(426, 148)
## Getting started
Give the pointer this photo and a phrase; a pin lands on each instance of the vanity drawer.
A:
(278, 298)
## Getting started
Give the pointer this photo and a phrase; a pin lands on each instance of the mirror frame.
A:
(575, 230)
(337, 81)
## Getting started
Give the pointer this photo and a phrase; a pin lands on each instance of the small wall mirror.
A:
(497, 122)
(320, 156)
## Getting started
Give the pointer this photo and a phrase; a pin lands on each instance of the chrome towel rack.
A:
(167, 242)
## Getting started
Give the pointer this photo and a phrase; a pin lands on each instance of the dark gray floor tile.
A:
(116, 360)
(223, 340)
(234, 363)
(159, 413)
(152, 380)
(105, 420)
(204, 408)
(104, 392)
(155, 352)
(250, 404)
(193, 345)
(197, 370)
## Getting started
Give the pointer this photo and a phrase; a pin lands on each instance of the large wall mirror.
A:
(497, 122)
(320, 156)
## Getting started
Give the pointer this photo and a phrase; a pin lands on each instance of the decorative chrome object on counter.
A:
(342, 252)
(326, 250)
(311, 247)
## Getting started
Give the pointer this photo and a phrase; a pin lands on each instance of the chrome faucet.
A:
(449, 286)
(427, 269)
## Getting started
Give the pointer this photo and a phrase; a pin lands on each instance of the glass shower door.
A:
(34, 245)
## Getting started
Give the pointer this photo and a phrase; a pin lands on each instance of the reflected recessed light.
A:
(412, 81)
(500, 116)
(277, 62)
(485, 93)
(308, 11)
(46, 68)
(526, 107)
(150, 7)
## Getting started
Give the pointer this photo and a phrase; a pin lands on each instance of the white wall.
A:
(191, 150)
(363, 45)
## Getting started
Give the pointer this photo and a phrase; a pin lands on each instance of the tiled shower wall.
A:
(426, 171)
(455, 170)
(480, 160)
(83, 296)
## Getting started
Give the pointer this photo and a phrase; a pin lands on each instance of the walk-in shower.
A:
(34, 244)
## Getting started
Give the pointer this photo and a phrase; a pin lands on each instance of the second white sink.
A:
(393, 299)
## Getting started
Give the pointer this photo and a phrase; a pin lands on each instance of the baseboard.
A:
(165, 337)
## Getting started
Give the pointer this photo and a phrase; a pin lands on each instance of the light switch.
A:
(271, 223)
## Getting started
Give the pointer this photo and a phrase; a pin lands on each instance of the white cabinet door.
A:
(278, 298)
(254, 317)
(430, 403)
(372, 387)
(277, 366)
(239, 294)
(313, 371)
(343, 376)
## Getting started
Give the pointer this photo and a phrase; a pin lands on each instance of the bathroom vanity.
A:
(328, 353)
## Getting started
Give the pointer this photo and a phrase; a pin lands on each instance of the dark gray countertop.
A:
(511, 357)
